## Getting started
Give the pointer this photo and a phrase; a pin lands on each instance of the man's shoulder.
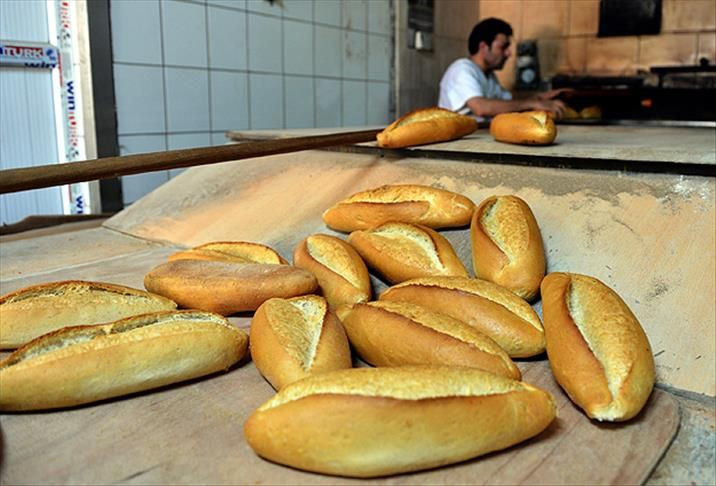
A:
(465, 66)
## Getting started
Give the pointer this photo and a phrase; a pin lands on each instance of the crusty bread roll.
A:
(426, 125)
(507, 245)
(525, 128)
(232, 251)
(84, 364)
(367, 422)
(591, 112)
(408, 203)
(401, 251)
(33, 311)
(597, 349)
(570, 113)
(389, 333)
(294, 338)
(339, 269)
(226, 287)
(491, 309)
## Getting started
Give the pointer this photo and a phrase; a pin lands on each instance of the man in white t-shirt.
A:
(469, 85)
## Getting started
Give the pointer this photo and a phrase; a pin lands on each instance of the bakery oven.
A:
(667, 96)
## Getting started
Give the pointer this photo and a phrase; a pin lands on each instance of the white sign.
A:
(28, 55)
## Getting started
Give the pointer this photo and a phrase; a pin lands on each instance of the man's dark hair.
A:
(486, 31)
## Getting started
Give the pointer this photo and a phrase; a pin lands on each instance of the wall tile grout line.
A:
(208, 67)
(164, 82)
(248, 75)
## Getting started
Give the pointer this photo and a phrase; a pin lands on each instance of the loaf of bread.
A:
(525, 128)
(368, 422)
(401, 251)
(33, 311)
(427, 125)
(570, 113)
(491, 309)
(295, 338)
(507, 245)
(232, 251)
(597, 349)
(387, 333)
(408, 203)
(591, 112)
(341, 273)
(227, 287)
(83, 364)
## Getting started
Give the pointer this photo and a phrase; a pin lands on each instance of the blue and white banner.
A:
(28, 55)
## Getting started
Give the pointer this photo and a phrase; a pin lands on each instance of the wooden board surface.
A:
(630, 143)
(650, 237)
(193, 432)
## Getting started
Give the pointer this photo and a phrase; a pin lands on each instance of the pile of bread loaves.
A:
(443, 386)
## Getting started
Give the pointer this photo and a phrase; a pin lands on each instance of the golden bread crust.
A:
(389, 333)
(232, 251)
(507, 246)
(83, 364)
(525, 128)
(33, 311)
(225, 287)
(341, 273)
(491, 309)
(295, 338)
(407, 203)
(426, 125)
(597, 349)
(401, 251)
(378, 421)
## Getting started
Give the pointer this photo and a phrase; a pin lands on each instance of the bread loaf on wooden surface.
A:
(406, 203)
(341, 273)
(36, 310)
(227, 287)
(490, 308)
(368, 422)
(295, 338)
(401, 251)
(507, 245)
(524, 128)
(83, 364)
(597, 349)
(426, 125)
(389, 333)
(232, 251)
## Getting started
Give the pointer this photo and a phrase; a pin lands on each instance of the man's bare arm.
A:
(487, 107)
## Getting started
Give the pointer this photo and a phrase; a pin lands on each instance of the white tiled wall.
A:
(188, 70)
(27, 117)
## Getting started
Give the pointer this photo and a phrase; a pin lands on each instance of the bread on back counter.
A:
(32, 311)
(524, 128)
(406, 203)
(401, 251)
(368, 422)
(426, 125)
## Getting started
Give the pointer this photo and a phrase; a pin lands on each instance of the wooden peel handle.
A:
(14, 180)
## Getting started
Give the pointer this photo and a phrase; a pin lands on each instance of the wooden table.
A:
(648, 235)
